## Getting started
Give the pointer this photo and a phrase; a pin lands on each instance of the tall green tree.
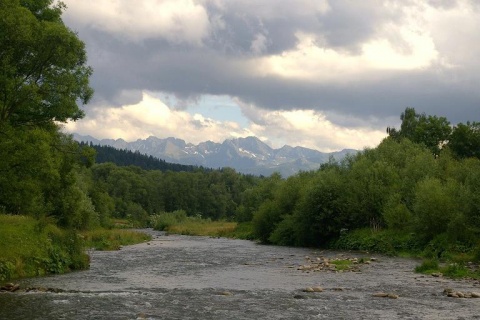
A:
(43, 75)
(431, 131)
(465, 140)
(43, 71)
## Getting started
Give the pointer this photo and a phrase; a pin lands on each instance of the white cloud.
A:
(311, 60)
(308, 128)
(178, 21)
(259, 44)
(152, 117)
(455, 32)
(358, 59)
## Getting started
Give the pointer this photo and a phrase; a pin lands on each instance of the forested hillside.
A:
(129, 158)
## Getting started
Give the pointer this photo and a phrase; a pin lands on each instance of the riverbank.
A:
(190, 277)
(31, 247)
(453, 263)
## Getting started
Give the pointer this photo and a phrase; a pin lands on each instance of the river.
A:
(186, 277)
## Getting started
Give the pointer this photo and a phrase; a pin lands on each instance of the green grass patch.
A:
(165, 220)
(122, 224)
(178, 222)
(30, 247)
(243, 230)
(428, 266)
(113, 239)
(383, 241)
(200, 227)
(454, 270)
(343, 264)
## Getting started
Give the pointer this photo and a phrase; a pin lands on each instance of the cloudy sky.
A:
(324, 74)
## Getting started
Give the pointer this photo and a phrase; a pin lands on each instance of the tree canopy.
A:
(432, 131)
(43, 70)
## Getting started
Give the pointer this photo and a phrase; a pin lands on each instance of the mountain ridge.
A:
(246, 155)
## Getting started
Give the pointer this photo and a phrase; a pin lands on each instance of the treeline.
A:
(420, 189)
(136, 194)
(130, 158)
(46, 174)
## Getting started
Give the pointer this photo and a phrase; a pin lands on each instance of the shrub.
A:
(428, 266)
(455, 270)
(165, 220)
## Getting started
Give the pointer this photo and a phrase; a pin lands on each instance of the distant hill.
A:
(246, 155)
(123, 157)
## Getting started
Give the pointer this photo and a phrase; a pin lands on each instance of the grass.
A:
(384, 241)
(178, 222)
(203, 228)
(454, 270)
(342, 264)
(113, 239)
(30, 247)
(122, 224)
(428, 266)
(243, 231)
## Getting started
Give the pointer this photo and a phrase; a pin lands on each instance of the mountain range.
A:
(246, 155)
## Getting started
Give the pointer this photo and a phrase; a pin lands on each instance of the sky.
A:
(323, 74)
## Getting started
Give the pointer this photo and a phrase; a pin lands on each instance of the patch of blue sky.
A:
(219, 108)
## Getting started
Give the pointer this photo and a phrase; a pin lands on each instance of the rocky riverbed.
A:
(180, 277)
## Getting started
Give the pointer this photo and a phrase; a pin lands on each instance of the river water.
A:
(184, 277)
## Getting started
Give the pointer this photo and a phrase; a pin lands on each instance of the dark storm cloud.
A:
(124, 68)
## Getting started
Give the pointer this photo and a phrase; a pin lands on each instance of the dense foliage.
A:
(30, 247)
(43, 71)
(128, 158)
(417, 191)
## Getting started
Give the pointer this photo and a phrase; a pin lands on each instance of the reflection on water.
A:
(180, 277)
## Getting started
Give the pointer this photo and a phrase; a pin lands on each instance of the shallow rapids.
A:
(183, 277)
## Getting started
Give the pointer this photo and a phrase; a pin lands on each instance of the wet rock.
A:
(437, 274)
(459, 294)
(447, 290)
(380, 294)
(385, 295)
(10, 287)
(340, 264)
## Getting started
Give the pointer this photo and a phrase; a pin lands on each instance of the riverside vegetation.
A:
(418, 192)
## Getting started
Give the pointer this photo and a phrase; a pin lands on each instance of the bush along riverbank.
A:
(31, 247)
(439, 258)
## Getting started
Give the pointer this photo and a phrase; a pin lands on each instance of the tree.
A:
(431, 131)
(43, 71)
(465, 140)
